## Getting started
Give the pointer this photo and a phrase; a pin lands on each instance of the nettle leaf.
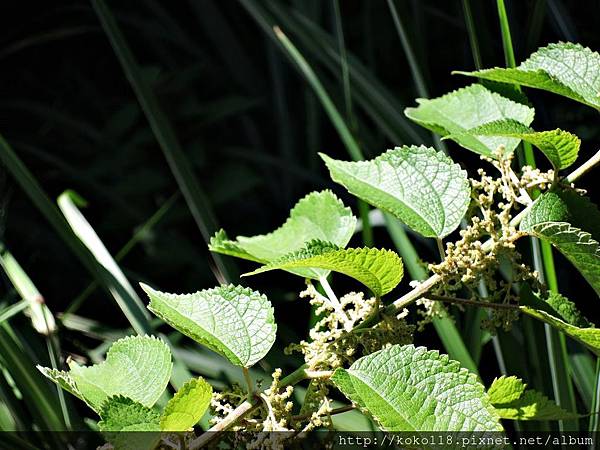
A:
(233, 321)
(187, 406)
(560, 147)
(380, 270)
(420, 186)
(319, 215)
(123, 414)
(407, 388)
(129, 425)
(455, 113)
(506, 389)
(564, 68)
(137, 367)
(547, 220)
(590, 337)
(576, 245)
(554, 304)
(513, 401)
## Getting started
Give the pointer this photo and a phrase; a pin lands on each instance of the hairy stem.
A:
(333, 412)
(249, 382)
(464, 301)
(585, 167)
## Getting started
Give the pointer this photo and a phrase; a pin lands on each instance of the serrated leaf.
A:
(137, 367)
(187, 406)
(564, 206)
(547, 219)
(420, 186)
(590, 337)
(233, 321)
(380, 270)
(560, 147)
(506, 389)
(576, 245)
(129, 425)
(513, 401)
(123, 414)
(319, 215)
(566, 69)
(554, 304)
(407, 388)
(453, 114)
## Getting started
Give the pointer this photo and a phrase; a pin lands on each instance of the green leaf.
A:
(506, 389)
(563, 218)
(564, 206)
(319, 215)
(120, 413)
(137, 367)
(187, 407)
(457, 112)
(233, 321)
(576, 245)
(590, 337)
(407, 388)
(129, 425)
(564, 68)
(554, 304)
(560, 147)
(379, 270)
(420, 186)
(512, 401)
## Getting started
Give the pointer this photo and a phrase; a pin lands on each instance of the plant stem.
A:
(585, 167)
(440, 246)
(243, 410)
(334, 302)
(464, 301)
(249, 382)
(333, 412)
(317, 374)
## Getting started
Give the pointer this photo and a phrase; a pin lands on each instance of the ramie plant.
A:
(361, 344)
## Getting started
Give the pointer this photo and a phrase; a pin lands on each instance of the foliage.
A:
(359, 349)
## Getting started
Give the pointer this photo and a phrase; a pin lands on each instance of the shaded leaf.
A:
(554, 304)
(550, 218)
(233, 321)
(407, 388)
(453, 114)
(380, 270)
(129, 425)
(590, 337)
(420, 186)
(123, 414)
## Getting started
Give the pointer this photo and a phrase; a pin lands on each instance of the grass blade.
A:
(40, 400)
(139, 234)
(118, 285)
(195, 197)
(41, 317)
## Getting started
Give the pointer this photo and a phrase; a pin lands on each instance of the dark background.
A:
(247, 121)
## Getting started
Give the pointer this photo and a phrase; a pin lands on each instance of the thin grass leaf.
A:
(195, 197)
(41, 317)
(118, 285)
